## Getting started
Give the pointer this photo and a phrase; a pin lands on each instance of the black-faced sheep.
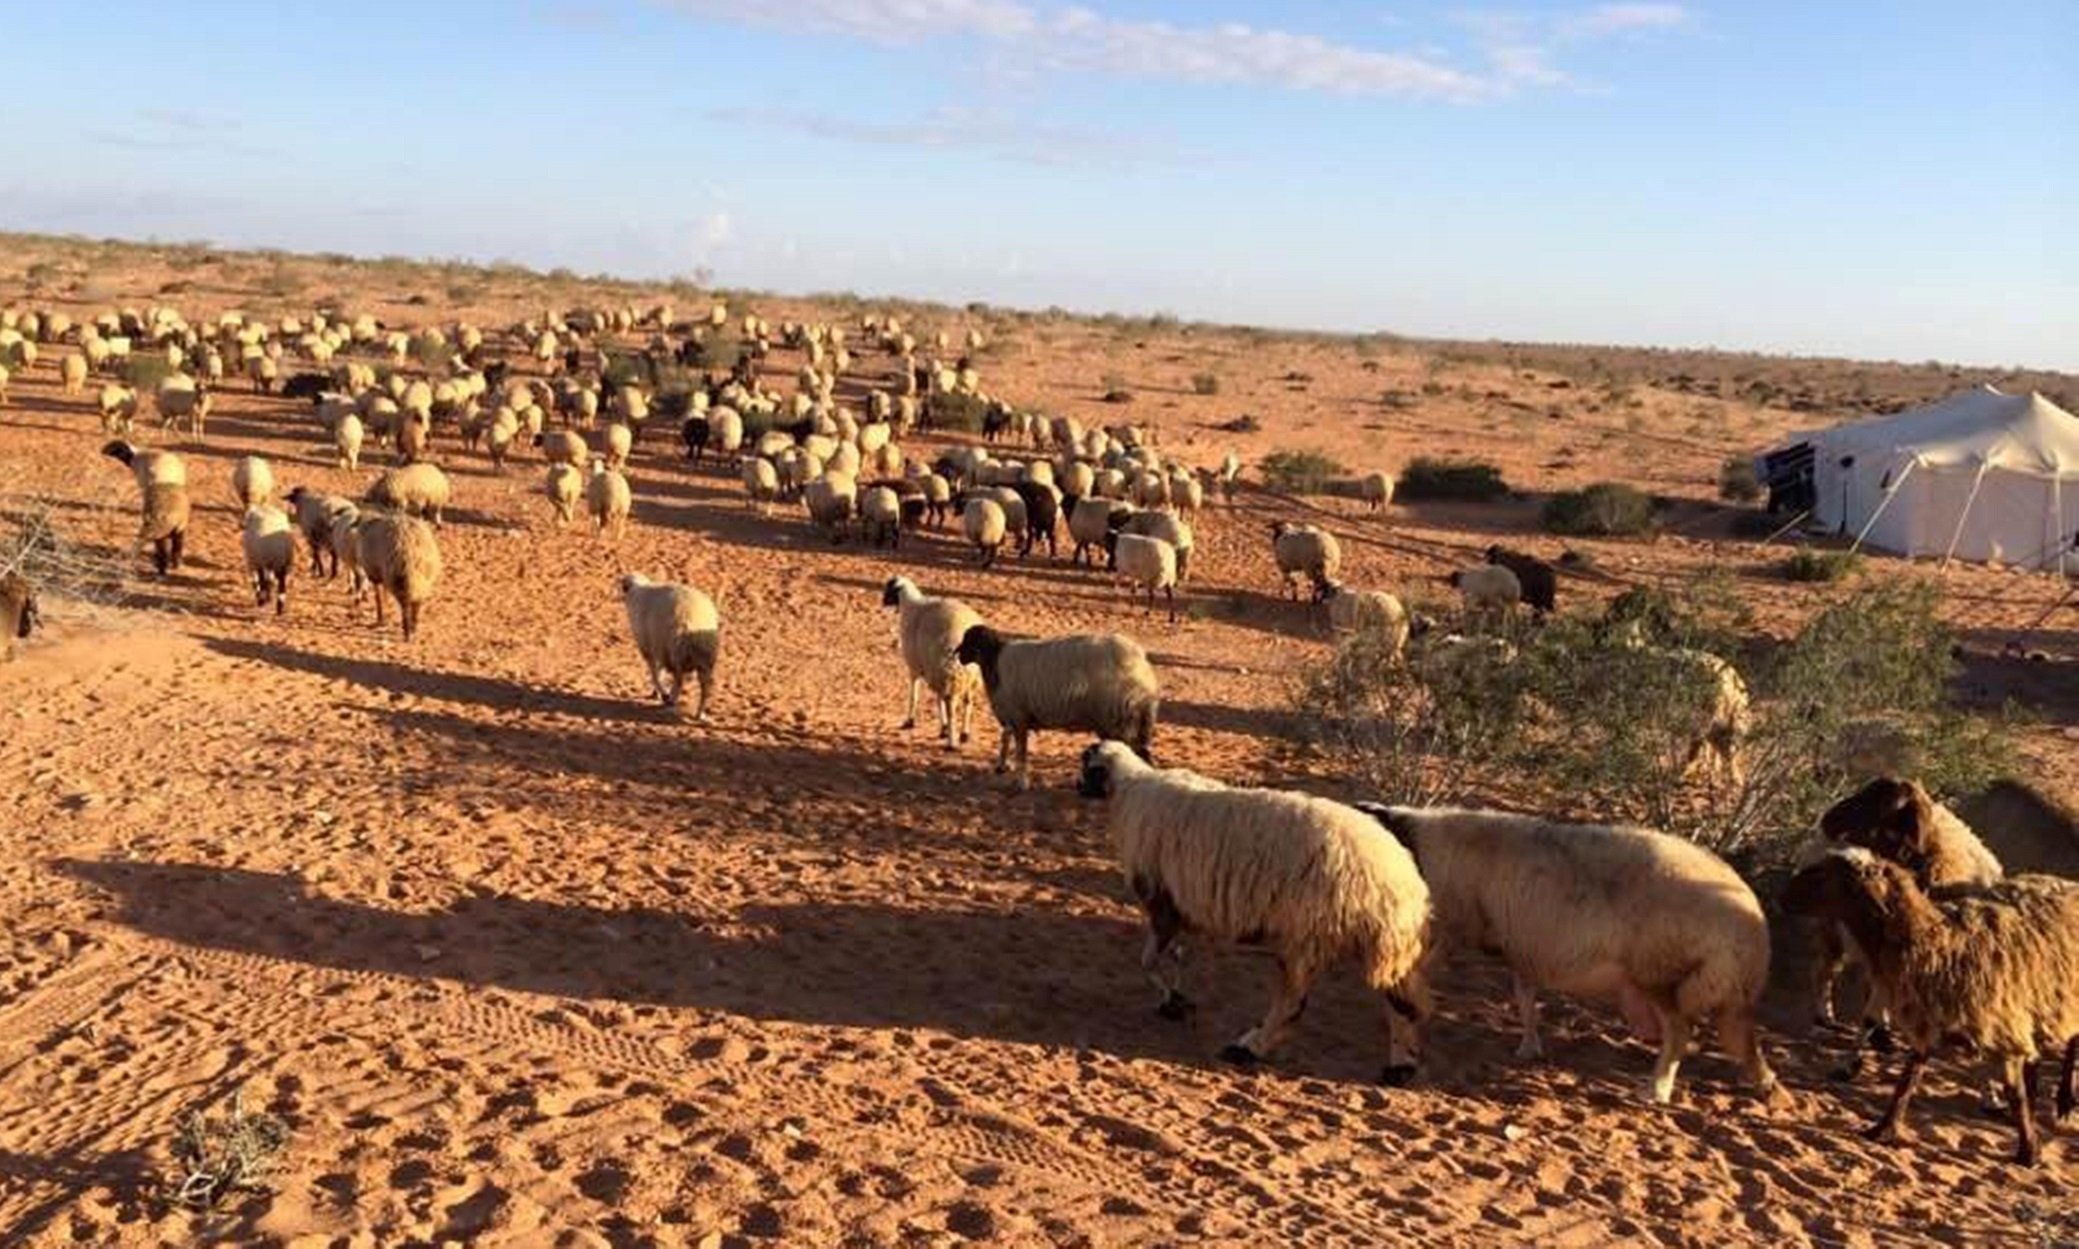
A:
(930, 631)
(1660, 926)
(315, 516)
(1100, 683)
(1312, 881)
(1995, 968)
(163, 522)
(677, 631)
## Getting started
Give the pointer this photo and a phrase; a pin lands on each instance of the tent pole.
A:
(1965, 515)
(1889, 495)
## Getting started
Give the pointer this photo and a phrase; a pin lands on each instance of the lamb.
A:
(1372, 612)
(1490, 593)
(1100, 683)
(163, 522)
(1150, 563)
(151, 468)
(1659, 924)
(269, 543)
(1313, 881)
(930, 631)
(181, 396)
(1305, 553)
(565, 486)
(983, 523)
(400, 555)
(1994, 967)
(19, 611)
(1376, 489)
(1716, 737)
(315, 516)
(415, 489)
(252, 481)
(677, 631)
(1538, 580)
(1896, 820)
(608, 499)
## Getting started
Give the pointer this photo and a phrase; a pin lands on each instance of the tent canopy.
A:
(1982, 475)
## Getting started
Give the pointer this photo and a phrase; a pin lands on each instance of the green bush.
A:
(1605, 509)
(1808, 564)
(1428, 480)
(956, 411)
(1737, 482)
(143, 371)
(1300, 472)
(1205, 383)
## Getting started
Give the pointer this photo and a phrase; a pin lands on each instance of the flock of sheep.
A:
(1655, 925)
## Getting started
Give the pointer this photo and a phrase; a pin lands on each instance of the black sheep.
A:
(1539, 579)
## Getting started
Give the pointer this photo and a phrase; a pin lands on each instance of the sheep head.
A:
(1889, 817)
(1101, 765)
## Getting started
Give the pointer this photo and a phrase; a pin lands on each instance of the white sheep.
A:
(608, 499)
(929, 631)
(400, 555)
(416, 489)
(565, 486)
(830, 500)
(761, 483)
(677, 631)
(1100, 683)
(1150, 564)
(1372, 612)
(347, 436)
(983, 524)
(1376, 489)
(615, 442)
(252, 482)
(1305, 553)
(1659, 925)
(1490, 593)
(269, 543)
(149, 467)
(1313, 881)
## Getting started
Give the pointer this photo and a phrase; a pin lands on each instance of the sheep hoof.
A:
(1239, 1055)
(1849, 1072)
(1885, 1132)
(1397, 1075)
(2026, 1155)
(1176, 1007)
(1529, 1051)
(910, 723)
(1880, 1039)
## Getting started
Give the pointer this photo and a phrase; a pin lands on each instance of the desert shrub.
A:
(144, 370)
(1605, 509)
(715, 349)
(1809, 564)
(1428, 479)
(1737, 481)
(219, 1155)
(281, 282)
(956, 411)
(1246, 423)
(1205, 383)
(624, 368)
(430, 352)
(1300, 472)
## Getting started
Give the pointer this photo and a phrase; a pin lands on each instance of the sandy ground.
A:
(522, 960)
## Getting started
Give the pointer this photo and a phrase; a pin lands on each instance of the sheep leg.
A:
(1826, 969)
(1165, 926)
(1738, 1037)
(1287, 1004)
(2067, 1093)
(2021, 1087)
(1892, 1127)
(1406, 1006)
(909, 719)
(1526, 995)
(1024, 760)
(707, 685)
(1003, 749)
(1674, 1043)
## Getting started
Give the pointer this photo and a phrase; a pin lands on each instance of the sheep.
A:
(19, 611)
(163, 522)
(1100, 683)
(1149, 563)
(1538, 580)
(1313, 881)
(1716, 737)
(983, 524)
(677, 631)
(118, 409)
(72, 373)
(1305, 553)
(1659, 924)
(608, 499)
(1376, 489)
(346, 440)
(726, 430)
(761, 483)
(1042, 505)
(181, 396)
(1490, 593)
(343, 538)
(880, 516)
(930, 631)
(252, 481)
(1090, 525)
(563, 447)
(1894, 819)
(414, 489)
(400, 556)
(565, 486)
(1995, 967)
(1229, 476)
(1169, 527)
(830, 499)
(1372, 612)
(151, 468)
(615, 442)
(269, 543)
(315, 516)
(410, 432)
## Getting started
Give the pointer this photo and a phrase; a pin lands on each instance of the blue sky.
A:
(1894, 180)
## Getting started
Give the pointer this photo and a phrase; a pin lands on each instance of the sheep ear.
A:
(1913, 824)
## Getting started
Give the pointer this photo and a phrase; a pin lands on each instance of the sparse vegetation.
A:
(1300, 472)
(1811, 564)
(221, 1154)
(1430, 480)
(143, 371)
(1205, 383)
(958, 411)
(1604, 510)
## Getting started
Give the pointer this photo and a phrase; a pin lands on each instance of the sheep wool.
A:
(400, 556)
(1313, 881)
(1490, 592)
(1305, 553)
(347, 435)
(252, 482)
(929, 631)
(1151, 564)
(1373, 612)
(983, 524)
(608, 499)
(1658, 924)
(677, 631)
(419, 489)
(565, 486)
(1099, 683)
(269, 543)
(163, 522)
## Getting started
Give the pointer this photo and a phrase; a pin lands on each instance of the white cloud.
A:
(881, 21)
(1619, 19)
(996, 134)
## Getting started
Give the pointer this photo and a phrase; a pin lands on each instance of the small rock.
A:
(427, 953)
(1514, 1132)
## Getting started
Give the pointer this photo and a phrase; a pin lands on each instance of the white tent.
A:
(1980, 476)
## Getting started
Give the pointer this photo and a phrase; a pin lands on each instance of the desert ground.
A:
(519, 958)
